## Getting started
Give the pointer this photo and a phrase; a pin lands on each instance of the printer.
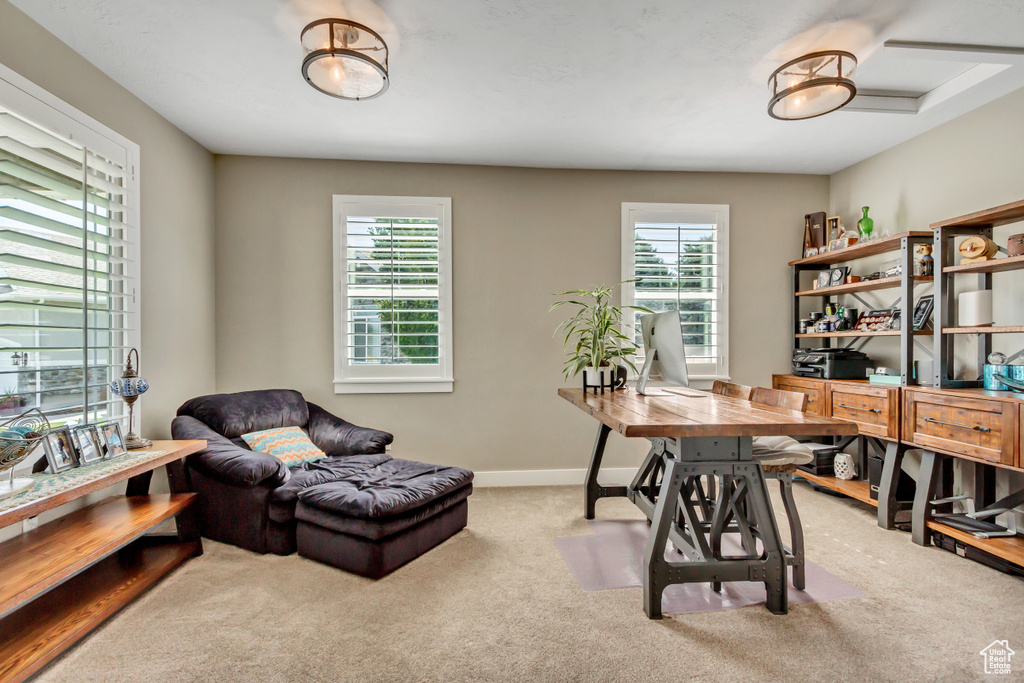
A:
(831, 363)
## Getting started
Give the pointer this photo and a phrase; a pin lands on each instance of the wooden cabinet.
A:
(874, 409)
(814, 388)
(966, 424)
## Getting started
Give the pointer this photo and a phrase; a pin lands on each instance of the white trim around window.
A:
(53, 145)
(685, 258)
(392, 294)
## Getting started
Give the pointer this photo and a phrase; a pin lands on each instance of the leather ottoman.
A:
(374, 521)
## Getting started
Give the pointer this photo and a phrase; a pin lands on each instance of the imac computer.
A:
(664, 351)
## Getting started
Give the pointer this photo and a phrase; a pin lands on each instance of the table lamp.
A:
(129, 387)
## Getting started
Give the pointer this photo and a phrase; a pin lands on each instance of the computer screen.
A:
(665, 354)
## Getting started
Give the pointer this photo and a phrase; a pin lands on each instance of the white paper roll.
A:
(975, 308)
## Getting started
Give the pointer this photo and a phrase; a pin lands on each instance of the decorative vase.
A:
(865, 226)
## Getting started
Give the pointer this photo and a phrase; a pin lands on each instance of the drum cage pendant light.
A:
(344, 59)
(812, 85)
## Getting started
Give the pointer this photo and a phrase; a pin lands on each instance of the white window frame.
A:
(36, 104)
(393, 379)
(718, 214)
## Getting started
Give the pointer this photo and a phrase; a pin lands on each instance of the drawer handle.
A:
(876, 411)
(977, 428)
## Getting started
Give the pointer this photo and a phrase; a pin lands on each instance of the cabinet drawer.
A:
(972, 427)
(815, 392)
(874, 409)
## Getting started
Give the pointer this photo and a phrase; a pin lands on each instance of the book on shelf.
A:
(890, 380)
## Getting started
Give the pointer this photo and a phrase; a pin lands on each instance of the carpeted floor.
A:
(497, 603)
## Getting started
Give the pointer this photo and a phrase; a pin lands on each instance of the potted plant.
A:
(593, 339)
(11, 402)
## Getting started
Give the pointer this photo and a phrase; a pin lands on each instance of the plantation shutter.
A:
(395, 291)
(67, 279)
(678, 258)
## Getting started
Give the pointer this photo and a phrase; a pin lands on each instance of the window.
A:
(679, 255)
(393, 294)
(68, 257)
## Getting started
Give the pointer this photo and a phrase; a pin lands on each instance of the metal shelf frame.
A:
(905, 245)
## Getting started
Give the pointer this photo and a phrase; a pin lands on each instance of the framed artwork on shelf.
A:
(59, 447)
(88, 444)
(923, 311)
(824, 277)
(878, 321)
(837, 276)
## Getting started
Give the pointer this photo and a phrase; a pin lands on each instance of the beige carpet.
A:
(497, 603)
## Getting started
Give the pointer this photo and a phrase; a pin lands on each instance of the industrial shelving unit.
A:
(945, 233)
(903, 243)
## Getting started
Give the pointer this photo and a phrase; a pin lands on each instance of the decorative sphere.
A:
(127, 387)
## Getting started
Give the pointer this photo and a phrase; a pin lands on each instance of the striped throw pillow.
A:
(290, 445)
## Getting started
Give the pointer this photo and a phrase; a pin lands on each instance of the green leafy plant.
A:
(593, 337)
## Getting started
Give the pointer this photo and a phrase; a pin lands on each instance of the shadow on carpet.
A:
(613, 558)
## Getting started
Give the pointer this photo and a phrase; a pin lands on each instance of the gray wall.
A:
(177, 350)
(519, 235)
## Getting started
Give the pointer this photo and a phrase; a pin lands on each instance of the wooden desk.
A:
(693, 437)
(61, 580)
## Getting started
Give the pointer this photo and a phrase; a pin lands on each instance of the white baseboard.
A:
(609, 476)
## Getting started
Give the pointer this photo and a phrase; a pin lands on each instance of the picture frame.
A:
(878, 321)
(824, 277)
(923, 311)
(111, 440)
(60, 451)
(89, 448)
(835, 245)
(837, 276)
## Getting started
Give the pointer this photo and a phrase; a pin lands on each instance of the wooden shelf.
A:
(855, 333)
(999, 215)
(170, 451)
(859, 490)
(1010, 548)
(34, 562)
(990, 329)
(42, 630)
(858, 251)
(997, 265)
(869, 286)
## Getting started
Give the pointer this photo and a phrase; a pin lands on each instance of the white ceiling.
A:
(672, 84)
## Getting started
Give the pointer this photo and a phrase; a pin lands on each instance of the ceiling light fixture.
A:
(345, 59)
(812, 85)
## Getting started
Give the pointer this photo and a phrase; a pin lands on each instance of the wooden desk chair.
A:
(778, 457)
(790, 400)
(729, 389)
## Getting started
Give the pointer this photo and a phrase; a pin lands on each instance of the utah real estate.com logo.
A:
(997, 657)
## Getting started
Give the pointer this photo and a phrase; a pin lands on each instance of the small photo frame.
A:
(837, 276)
(112, 441)
(836, 244)
(923, 311)
(59, 447)
(824, 277)
(89, 447)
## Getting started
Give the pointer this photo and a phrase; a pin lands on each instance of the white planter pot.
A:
(597, 377)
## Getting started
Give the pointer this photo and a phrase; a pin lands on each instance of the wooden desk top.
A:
(672, 415)
(51, 490)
